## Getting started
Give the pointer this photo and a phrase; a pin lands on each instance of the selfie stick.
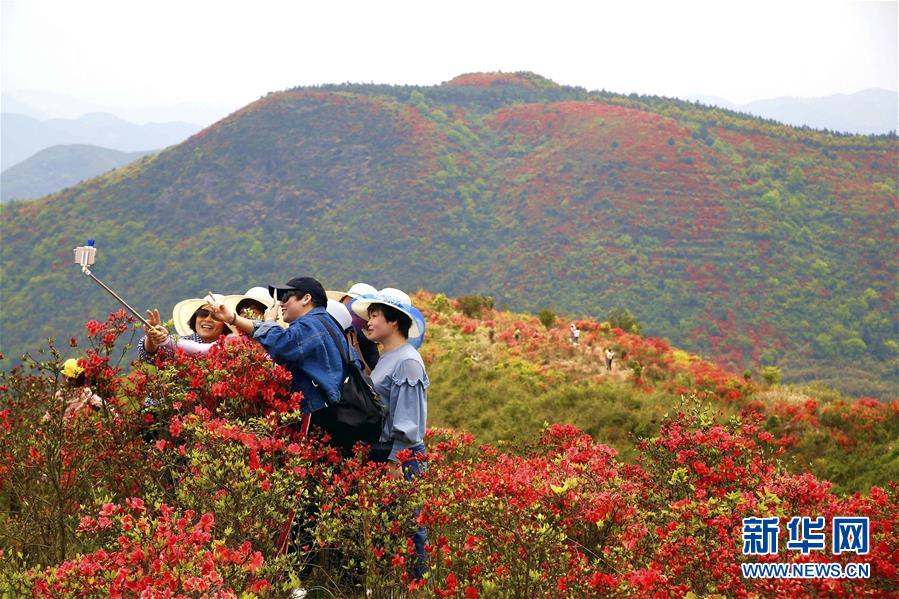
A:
(85, 255)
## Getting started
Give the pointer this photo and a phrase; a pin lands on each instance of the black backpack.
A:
(359, 414)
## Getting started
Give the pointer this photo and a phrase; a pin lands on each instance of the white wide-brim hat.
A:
(356, 291)
(259, 294)
(184, 309)
(395, 299)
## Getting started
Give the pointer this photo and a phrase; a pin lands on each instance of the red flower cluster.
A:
(160, 554)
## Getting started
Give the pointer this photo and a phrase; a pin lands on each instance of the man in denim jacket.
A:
(305, 347)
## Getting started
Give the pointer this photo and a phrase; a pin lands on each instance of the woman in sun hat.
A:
(193, 322)
(251, 304)
(367, 349)
(76, 390)
(402, 382)
(341, 314)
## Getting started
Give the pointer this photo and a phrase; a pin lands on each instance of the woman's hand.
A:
(220, 312)
(156, 333)
(395, 470)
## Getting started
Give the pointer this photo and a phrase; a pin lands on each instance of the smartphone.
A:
(85, 255)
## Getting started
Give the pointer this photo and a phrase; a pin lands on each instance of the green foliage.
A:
(622, 319)
(473, 306)
(771, 374)
(547, 317)
(441, 304)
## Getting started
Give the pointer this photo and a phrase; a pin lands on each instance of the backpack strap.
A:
(355, 342)
(344, 355)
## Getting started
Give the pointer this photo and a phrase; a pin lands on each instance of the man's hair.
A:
(391, 314)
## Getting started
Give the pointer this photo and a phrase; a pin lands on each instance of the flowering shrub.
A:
(216, 494)
(54, 459)
(159, 554)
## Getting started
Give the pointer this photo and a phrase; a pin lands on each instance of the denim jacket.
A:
(308, 351)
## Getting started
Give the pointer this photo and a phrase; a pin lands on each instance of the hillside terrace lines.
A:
(619, 133)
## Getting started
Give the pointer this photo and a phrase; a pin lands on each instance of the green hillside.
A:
(736, 238)
(502, 375)
(57, 167)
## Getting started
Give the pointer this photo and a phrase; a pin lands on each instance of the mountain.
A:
(24, 136)
(57, 167)
(43, 105)
(741, 239)
(870, 111)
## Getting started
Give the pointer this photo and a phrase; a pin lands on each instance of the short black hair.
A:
(391, 314)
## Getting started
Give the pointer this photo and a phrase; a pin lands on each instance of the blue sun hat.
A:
(396, 299)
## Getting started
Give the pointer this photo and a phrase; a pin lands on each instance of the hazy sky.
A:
(141, 53)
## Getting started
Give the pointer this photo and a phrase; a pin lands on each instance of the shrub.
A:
(622, 319)
(771, 374)
(473, 306)
(547, 317)
(562, 515)
(441, 304)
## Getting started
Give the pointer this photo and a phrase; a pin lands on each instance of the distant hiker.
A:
(491, 334)
(610, 355)
(193, 322)
(575, 334)
(517, 335)
(366, 348)
(305, 347)
(401, 380)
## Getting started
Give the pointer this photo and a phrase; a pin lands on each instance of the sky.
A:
(139, 53)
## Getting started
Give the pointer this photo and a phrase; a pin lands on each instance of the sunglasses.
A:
(283, 296)
(202, 313)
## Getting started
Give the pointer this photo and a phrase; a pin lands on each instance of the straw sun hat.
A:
(356, 291)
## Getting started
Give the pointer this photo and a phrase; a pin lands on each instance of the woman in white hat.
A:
(252, 304)
(402, 382)
(367, 349)
(193, 322)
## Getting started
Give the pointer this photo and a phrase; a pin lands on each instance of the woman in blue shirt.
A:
(402, 382)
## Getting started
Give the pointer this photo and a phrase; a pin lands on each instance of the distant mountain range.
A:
(58, 167)
(871, 111)
(23, 136)
(738, 238)
(43, 105)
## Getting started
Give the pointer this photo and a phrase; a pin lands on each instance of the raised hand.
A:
(156, 334)
(220, 312)
(273, 313)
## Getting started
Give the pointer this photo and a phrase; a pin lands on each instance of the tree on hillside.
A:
(547, 317)
(621, 318)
